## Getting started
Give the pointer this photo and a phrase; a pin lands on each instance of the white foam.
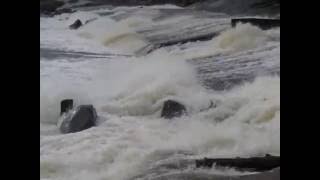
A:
(244, 37)
(128, 93)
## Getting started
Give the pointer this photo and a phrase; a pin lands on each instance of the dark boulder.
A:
(261, 23)
(74, 120)
(243, 164)
(172, 109)
(76, 24)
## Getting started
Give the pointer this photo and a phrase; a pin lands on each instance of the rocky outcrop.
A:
(243, 164)
(76, 119)
(172, 109)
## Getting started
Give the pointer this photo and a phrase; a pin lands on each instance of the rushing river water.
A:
(104, 63)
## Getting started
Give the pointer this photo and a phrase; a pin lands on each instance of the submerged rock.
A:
(172, 109)
(244, 164)
(76, 24)
(76, 119)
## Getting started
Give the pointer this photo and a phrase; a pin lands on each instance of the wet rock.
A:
(204, 37)
(77, 119)
(243, 164)
(172, 109)
(261, 23)
(76, 24)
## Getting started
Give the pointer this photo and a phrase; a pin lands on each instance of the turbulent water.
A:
(103, 63)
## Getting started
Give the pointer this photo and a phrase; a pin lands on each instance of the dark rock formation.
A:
(244, 164)
(80, 118)
(49, 6)
(172, 109)
(261, 23)
(76, 24)
(204, 37)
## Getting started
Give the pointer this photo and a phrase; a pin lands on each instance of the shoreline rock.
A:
(243, 164)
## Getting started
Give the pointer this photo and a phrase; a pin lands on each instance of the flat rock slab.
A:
(243, 164)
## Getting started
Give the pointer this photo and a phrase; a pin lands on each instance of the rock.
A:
(201, 37)
(172, 109)
(261, 23)
(74, 120)
(49, 6)
(243, 164)
(76, 24)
